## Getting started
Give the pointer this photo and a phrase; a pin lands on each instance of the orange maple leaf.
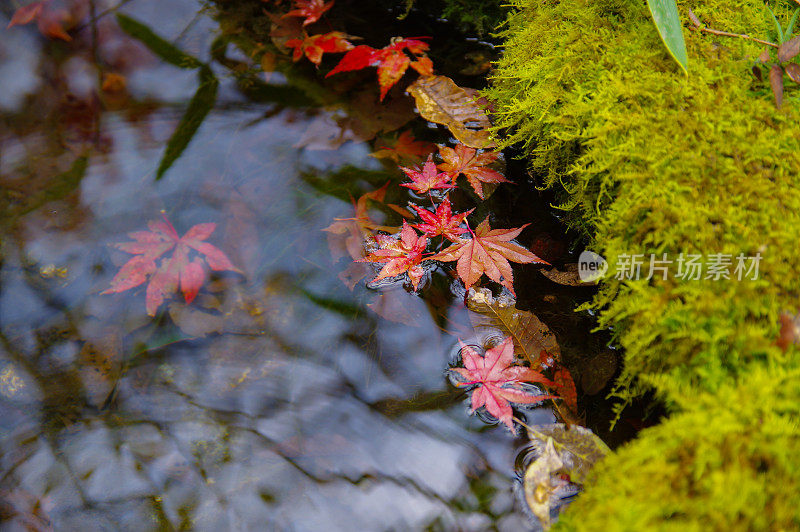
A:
(310, 10)
(316, 45)
(467, 161)
(488, 251)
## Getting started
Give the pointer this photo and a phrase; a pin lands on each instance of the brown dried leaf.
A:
(538, 482)
(530, 335)
(578, 447)
(757, 73)
(567, 277)
(793, 71)
(790, 330)
(776, 81)
(789, 49)
(441, 101)
(764, 55)
(694, 19)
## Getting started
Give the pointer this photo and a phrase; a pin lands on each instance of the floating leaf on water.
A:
(538, 482)
(578, 447)
(531, 336)
(441, 101)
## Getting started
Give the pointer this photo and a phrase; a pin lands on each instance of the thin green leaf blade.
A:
(200, 105)
(668, 22)
(159, 46)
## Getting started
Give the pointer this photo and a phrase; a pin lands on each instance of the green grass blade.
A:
(668, 22)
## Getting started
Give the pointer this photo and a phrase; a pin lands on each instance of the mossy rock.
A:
(649, 161)
(728, 462)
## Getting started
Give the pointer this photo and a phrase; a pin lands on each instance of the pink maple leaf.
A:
(426, 179)
(498, 382)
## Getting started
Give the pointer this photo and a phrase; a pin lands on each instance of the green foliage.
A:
(668, 22)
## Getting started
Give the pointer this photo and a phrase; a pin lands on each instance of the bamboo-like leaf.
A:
(159, 46)
(668, 22)
(200, 105)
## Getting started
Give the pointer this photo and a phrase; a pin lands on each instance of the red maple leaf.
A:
(467, 161)
(499, 383)
(427, 178)
(566, 388)
(391, 60)
(171, 273)
(488, 251)
(314, 46)
(49, 18)
(406, 147)
(402, 255)
(311, 10)
(442, 222)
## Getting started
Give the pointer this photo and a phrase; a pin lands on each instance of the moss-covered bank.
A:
(648, 161)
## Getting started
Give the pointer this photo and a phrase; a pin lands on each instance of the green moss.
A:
(646, 160)
(728, 462)
(649, 161)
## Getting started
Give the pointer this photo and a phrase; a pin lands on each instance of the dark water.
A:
(278, 399)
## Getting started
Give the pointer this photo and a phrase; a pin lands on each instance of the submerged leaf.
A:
(164, 49)
(531, 336)
(538, 483)
(441, 101)
(465, 160)
(578, 447)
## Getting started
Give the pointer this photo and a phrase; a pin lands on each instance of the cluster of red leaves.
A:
(406, 147)
(309, 10)
(498, 382)
(174, 272)
(314, 46)
(392, 61)
(400, 255)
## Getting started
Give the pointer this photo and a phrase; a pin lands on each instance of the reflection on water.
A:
(277, 400)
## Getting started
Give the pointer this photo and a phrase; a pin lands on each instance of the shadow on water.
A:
(278, 399)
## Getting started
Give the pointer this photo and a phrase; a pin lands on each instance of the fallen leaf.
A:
(441, 101)
(346, 236)
(776, 82)
(540, 482)
(498, 382)
(531, 336)
(427, 178)
(400, 255)
(566, 388)
(578, 447)
(100, 365)
(177, 271)
(465, 160)
(790, 330)
(488, 252)
(442, 221)
(793, 71)
(314, 46)
(309, 10)
(567, 277)
(391, 60)
(789, 49)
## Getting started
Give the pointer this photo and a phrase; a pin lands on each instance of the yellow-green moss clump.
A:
(648, 161)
